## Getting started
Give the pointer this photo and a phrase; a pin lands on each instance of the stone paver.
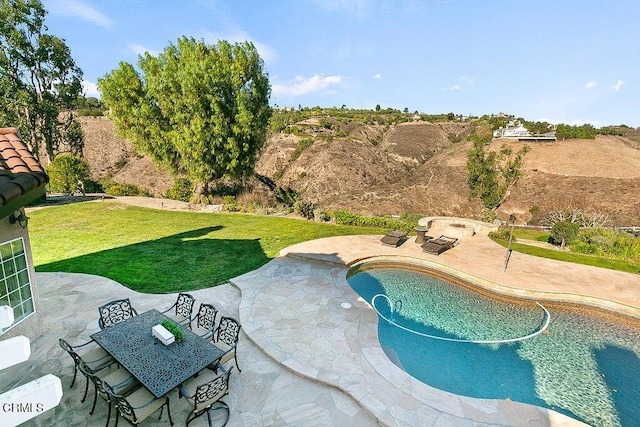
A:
(306, 359)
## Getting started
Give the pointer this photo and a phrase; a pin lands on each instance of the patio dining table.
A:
(158, 367)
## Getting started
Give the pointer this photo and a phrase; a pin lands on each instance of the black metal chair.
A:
(205, 321)
(119, 381)
(115, 312)
(205, 392)
(225, 337)
(182, 310)
(95, 360)
(138, 406)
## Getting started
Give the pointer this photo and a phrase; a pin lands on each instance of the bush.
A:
(564, 232)
(347, 218)
(303, 144)
(67, 173)
(502, 234)
(611, 243)
(305, 209)
(182, 189)
(119, 189)
(229, 203)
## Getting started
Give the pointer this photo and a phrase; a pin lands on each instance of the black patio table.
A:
(158, 367)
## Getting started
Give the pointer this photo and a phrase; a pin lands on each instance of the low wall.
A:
(446, 222)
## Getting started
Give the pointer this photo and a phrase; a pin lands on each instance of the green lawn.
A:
(158, 251)
(596, 261)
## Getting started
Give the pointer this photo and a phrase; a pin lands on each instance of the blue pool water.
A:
(586, 364)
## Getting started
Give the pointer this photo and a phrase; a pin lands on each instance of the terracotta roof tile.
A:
(21, 175)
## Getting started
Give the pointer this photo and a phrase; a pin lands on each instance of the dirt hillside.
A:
(415, 167)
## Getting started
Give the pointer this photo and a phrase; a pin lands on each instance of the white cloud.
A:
(377, 76)
(138, 49)
(81, 10)
(468, 80)
(455, 87)
(301, 86)
(358, 8)
(619, 85)
(267, 54)
(580, 122)
(90, 89)
(591, 84)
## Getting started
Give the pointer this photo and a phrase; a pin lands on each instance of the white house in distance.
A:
(516, 130)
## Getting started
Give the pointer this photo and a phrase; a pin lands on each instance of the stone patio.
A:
(308, 361)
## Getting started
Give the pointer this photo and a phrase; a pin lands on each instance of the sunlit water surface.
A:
(587, 364)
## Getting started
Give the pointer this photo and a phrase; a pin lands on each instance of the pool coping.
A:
(311, 276)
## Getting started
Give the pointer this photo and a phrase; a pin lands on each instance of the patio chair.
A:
(182, 310)
(138, 406)
(205, 321)
(394, 238)
(205, 392)
(115, 312)
(95, 360)
(118, 381)
(439, 245)
(225, 337)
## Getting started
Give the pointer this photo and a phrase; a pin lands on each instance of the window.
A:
(15, 285)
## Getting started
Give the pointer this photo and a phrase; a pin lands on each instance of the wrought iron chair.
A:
(115, 312)
(95, 360)
(205, 321)
(225, 337)
(182, 310)
(138, 406)
(119, 381)
(205, 392)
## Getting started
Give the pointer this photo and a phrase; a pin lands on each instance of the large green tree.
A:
(198, 109)
(39, 80)
(491, 174)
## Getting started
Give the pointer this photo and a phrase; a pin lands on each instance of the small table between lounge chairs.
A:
(439, 245)
(158, 367)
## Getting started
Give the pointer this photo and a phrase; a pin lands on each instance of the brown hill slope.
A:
(414, 167)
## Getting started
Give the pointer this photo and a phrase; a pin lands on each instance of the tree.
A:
(198, 109)
(67, 173)
(491, 174)
(39, 80)
(564, 232)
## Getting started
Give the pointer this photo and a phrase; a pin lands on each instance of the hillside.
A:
(414, 167)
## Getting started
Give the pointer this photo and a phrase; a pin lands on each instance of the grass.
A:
(156, 251)
(596, 261)
(540, 236)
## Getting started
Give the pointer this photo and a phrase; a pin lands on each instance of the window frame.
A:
(18, 270)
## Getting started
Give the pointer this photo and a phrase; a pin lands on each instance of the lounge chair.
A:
(439, 245)
(395, 238)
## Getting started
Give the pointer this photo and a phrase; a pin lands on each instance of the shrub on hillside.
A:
(564, 232)
(67, 173)
(304, 208)
(348, 218)
(120, 189)
(612, 243)
(182, 189)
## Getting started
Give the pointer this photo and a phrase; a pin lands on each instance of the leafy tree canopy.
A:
(491, 174)
(39, 80)
(198, 109)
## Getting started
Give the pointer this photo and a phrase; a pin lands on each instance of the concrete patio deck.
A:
(308, 360)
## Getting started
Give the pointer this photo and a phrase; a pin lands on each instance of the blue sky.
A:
(563, 61)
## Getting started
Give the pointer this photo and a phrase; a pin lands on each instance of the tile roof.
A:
(22, 178)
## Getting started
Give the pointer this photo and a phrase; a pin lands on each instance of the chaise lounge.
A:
(439, 245)
(395, 238)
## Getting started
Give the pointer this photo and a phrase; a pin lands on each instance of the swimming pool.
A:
(586, 363)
